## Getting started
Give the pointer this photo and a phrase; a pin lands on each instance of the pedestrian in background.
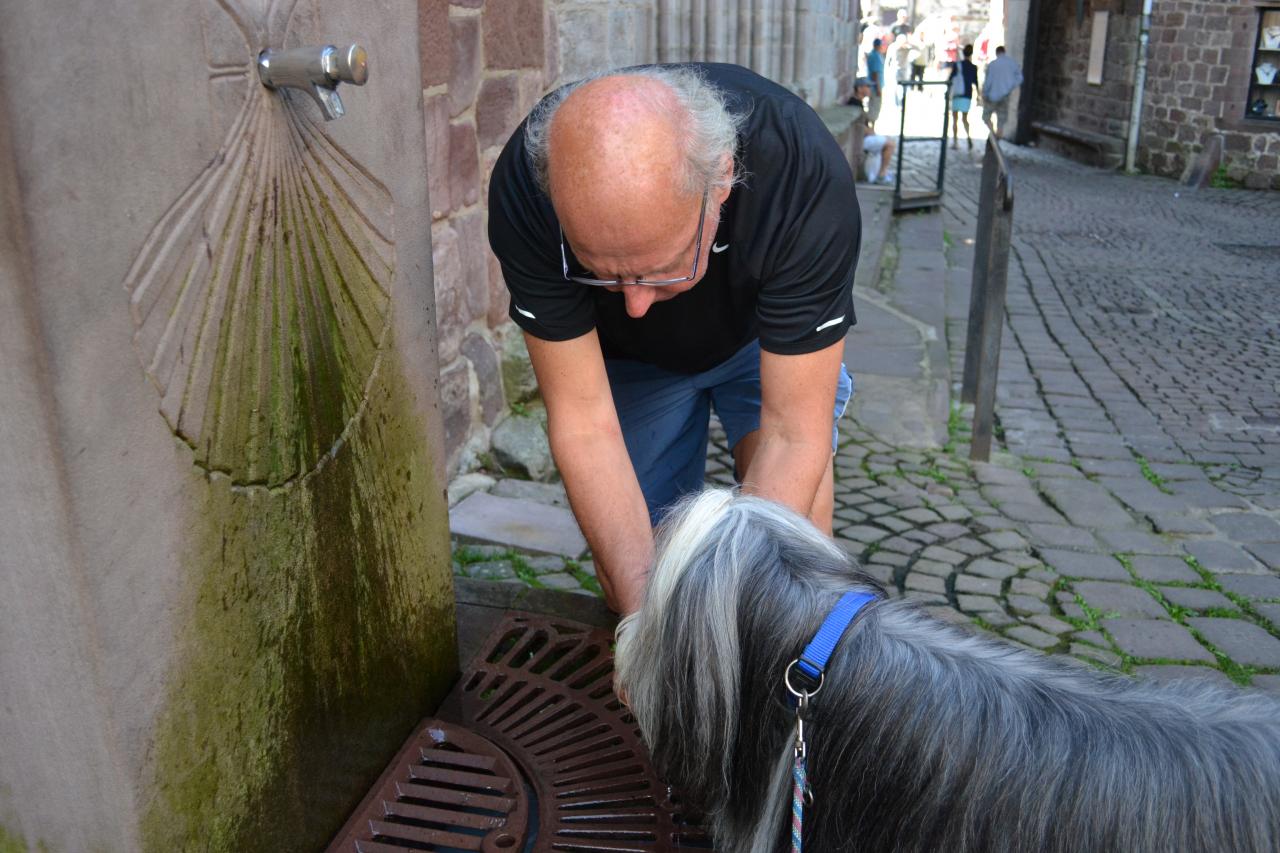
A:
(900, 61)
(875, 73)
(919, 60)
(963, 80)
(1003, 76)
(902, 27)
(877, 149)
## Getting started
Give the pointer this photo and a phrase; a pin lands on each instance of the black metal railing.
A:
(986, 301)
(917, 195)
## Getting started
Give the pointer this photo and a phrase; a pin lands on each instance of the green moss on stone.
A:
(321, 628)
(11, 843)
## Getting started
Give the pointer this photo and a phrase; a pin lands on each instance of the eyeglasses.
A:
(600, 282)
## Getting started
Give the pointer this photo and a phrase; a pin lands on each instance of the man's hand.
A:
(789, 459)
(587, 443)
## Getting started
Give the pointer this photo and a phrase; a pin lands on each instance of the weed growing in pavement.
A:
(585, 578)
(1245, 604)
(468, 556)
(1221, 179)
(1151, 476)
(947, 240)
(1178, 612)
(933, 472)
(1028, 472)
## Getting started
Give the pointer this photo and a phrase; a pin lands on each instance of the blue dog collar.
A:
(813, 660)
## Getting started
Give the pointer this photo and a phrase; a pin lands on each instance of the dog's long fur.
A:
(925, 737)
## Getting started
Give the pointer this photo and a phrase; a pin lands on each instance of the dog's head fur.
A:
(739, 587)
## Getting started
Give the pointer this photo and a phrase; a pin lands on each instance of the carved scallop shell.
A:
(261, 299)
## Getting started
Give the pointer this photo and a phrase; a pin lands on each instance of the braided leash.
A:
(797, 803)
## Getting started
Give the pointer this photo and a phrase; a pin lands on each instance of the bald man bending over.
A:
(675, 238)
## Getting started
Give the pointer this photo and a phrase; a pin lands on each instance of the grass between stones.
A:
(583, 577)
(1151, 476)
(468, 555)
(1239, 673)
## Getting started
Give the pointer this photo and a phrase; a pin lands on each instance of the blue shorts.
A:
(665, 416)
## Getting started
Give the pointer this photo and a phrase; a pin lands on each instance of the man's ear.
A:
(726, 166)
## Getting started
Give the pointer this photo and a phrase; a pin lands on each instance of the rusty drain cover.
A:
(539, 695)
(447, 789)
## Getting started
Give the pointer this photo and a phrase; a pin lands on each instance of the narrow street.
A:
(1130, 515)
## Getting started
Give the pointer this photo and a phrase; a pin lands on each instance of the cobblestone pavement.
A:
(1131, 515)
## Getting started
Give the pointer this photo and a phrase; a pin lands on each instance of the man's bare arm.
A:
(793, 448)
(587, 443)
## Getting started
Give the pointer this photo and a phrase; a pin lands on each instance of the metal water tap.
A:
(316, 71)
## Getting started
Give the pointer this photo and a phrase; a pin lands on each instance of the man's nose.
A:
(639, 297)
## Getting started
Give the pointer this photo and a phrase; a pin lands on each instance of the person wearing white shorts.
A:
(875, 169)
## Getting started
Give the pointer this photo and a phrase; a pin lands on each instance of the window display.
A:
(1264, 83)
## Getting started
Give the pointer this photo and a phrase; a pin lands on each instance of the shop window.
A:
(1264, 76)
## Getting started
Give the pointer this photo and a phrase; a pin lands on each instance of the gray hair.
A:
(925, 736)
(710, 129)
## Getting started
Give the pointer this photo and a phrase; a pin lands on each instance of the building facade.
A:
(1210, 83)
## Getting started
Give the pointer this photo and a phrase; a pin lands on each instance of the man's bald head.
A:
(618, 137)
(635, 142)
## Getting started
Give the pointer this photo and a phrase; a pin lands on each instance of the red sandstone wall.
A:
(485, 63)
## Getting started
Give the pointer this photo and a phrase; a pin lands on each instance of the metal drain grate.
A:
(542, 689)
(447, 789)
(536, 755)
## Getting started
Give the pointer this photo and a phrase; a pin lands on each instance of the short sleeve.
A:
(525, 236)
(806, 293)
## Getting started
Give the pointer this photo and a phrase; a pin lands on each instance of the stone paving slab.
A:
(1137, 542)
(551, 494)
(1200, 600)
(1155, 639)
(1267, 553)
(1062, 536)
(1086, 504)
(1174, 672)
(1119, 599)
(1218, 556)
(1162, 569)
(1257, 587)
(1087, 566)
(1241, 641)
(520, 524)
(1247, 526)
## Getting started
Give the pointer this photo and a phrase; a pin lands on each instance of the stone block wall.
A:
(1197, 80)
(484, 66)
(1063, 95)
(1202, 51)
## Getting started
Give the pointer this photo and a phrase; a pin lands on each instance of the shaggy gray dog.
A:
(925, 737)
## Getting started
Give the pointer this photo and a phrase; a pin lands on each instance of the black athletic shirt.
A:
(792, 229)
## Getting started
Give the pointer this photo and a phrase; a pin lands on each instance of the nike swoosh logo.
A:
(827, 324)
(718, 248)
(529, 314)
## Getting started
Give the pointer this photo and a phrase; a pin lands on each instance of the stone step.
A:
(522, 524)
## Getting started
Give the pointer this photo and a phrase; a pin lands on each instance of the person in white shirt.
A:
(1003, 76)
